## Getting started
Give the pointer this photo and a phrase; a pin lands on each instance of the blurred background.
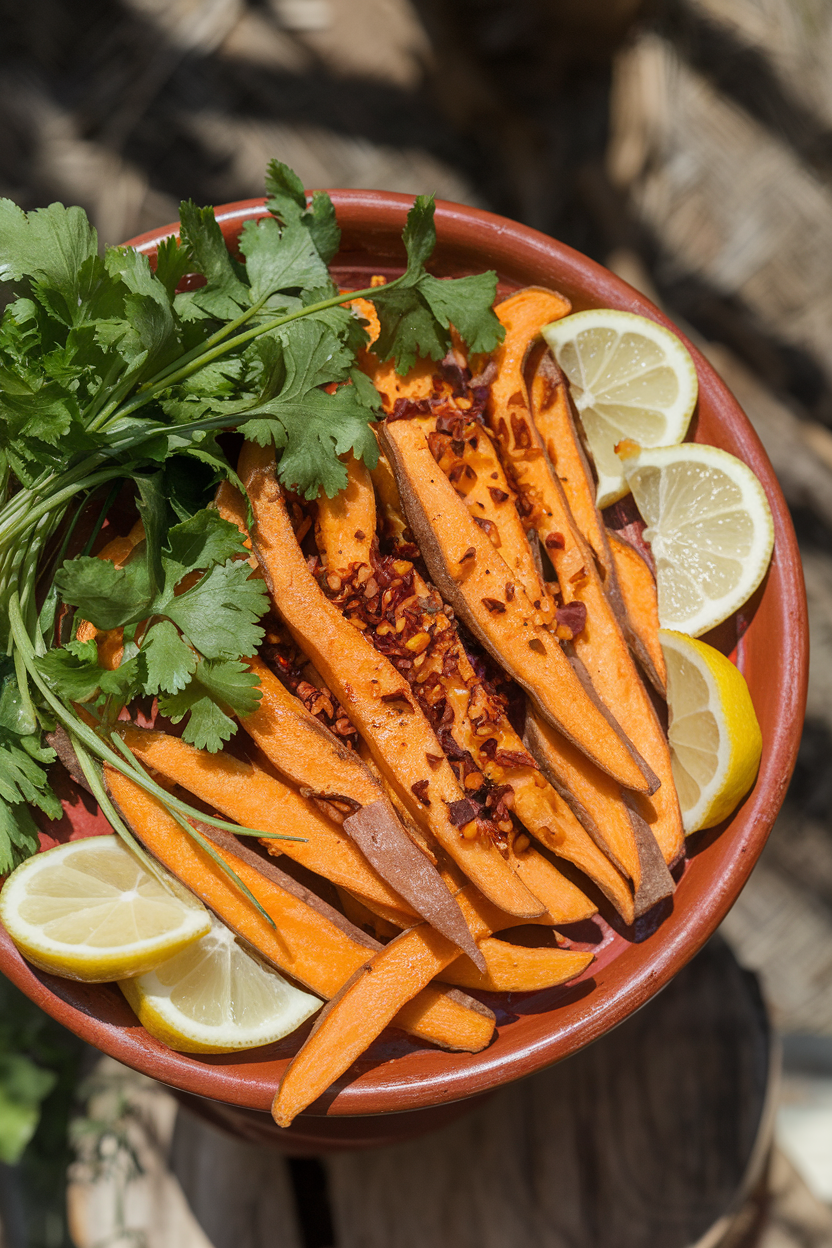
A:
(686, 144)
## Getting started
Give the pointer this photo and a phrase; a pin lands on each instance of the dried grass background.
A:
(685, 143)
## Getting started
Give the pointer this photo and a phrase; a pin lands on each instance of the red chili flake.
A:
(555, 541)
(489, 527)
(420, 791)
(510, 592)
(406, 409)
(572, 616)
(493, 605)
(462, 812)
(469, 554)
(514, 758)
(489, 747)
(522, 433)
(497, 496)
(434, 760)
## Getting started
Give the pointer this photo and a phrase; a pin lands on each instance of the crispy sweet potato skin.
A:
(639, 610)
(475, 584)
(378, 699)
(311, 941)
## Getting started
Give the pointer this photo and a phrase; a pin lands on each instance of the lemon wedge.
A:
(89, 910)
(630, 380)
(715, 739)
(215, 997)
(710, 529)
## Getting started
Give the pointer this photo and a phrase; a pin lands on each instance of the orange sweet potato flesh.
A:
(470, 574)
(480, 480)
(641, 607)
(538, 805)
(252, 797)
(601, 645)
(516, 968)
(562, 443)
(598, 803)
(360, 1012)
(446, 661)
(305, 944)
(310, 941)
(346, 524)
(378, 700)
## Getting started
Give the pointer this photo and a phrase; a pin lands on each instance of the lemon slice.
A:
(629, 379)
(89, 910)
(215, 997)
(710, 529)
(715, 739)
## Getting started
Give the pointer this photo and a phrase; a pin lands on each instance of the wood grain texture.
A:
(642, 1139)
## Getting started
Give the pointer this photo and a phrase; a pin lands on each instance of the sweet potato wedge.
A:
(641, 610)
(562, 443)
(311, 941)
(363, 1008)
(252, 797)
(516, 968)
(600, 646)
(346, 524)
(378, 700)
(470, 574)
(304, 751)
(598, 803)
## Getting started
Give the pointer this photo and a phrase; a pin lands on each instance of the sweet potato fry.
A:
(360, 1012)
(311, 941)
(516, 968)
(562, 443)
(598, 803)
(346, 524)
(641, 610)
(377, 698)
(252, 797)
(471, 576)
(304, 751)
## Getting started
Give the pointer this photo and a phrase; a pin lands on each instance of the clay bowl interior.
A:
(768, 639)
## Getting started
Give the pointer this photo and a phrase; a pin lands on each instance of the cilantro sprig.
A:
(109, 373)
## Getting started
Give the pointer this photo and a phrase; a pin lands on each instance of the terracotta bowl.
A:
(768, 640)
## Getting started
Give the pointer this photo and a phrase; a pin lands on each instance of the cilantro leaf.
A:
(202, 541)
(322, 226)
(23, 776)
(48, 246)
(311, 426)
(281, 258)
(219, 614)
(73, 670)
(172, 263)
(18, 833)
(170, 662)
(107, 596)
(213, 687)
(465, 303)
(225, 291)
(416, 314)
(419, 235)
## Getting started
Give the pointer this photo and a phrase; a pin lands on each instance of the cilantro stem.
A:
(93, 742)
(196, 351)
(154, 386)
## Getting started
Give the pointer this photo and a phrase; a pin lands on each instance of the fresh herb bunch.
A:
(108, 375)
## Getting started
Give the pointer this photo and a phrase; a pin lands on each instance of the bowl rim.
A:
(651, 963)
